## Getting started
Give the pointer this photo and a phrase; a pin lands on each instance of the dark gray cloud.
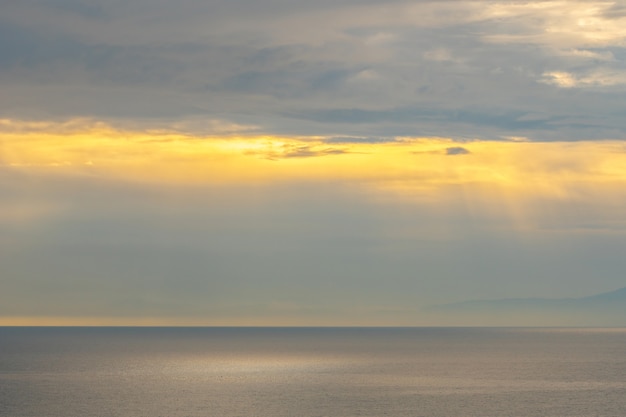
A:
(615, 11)
(85, 9)
(457, 150)
(359, 139)
(455, 68)
(297, 151)
(507, 120)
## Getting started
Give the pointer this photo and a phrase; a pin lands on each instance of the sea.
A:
(312, 372)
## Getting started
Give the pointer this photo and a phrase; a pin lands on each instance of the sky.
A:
(287, 163)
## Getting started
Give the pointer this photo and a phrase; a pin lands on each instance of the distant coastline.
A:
(605, 309)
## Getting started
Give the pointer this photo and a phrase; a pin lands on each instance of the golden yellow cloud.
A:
(157, 156)
(518, 181)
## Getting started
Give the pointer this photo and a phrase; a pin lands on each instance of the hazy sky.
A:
(292, 162)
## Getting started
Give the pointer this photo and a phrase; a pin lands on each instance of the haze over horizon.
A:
(274, 162)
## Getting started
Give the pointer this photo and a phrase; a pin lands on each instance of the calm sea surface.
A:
(265, 372)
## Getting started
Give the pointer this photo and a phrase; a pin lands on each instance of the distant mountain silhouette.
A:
(606, 309)
(608, 297)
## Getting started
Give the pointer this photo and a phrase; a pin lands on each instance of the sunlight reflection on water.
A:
(402, 372)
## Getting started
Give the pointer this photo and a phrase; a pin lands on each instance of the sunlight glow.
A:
(420, 163)
(491, 178)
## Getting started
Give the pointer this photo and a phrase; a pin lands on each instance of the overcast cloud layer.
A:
(545, 70)
(274, 162)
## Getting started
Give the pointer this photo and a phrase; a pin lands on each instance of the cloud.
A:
(187, 126)
(457, 150)
(96, 149)
(263, 151)
(358, 139)
(615, 11)
(595, 79)
(441, 55)
(471, 121)
(422, 68)
(559, 24)
(295, 151)
(586, 54)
